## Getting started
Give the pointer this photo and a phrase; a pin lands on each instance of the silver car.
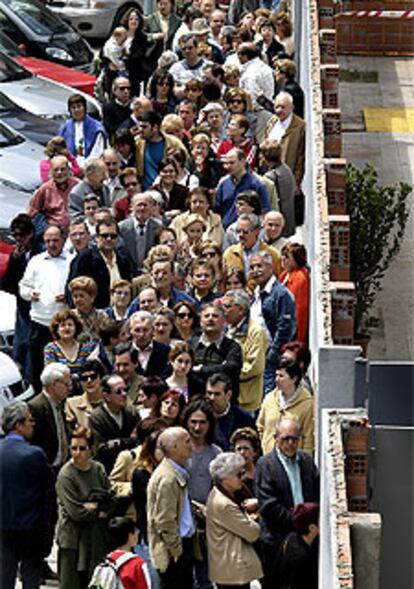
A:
(93, 18)
(19, 173)
(36, 94)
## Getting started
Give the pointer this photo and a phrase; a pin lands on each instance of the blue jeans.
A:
(142, 550)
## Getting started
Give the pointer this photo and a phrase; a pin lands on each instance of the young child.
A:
(113, 50)
(113, 64)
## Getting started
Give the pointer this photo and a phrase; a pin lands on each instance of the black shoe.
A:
(48, 574)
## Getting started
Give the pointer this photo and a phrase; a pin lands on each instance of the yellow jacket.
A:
(254, 345)
(171, 142)
(301, 409)
(121, 476)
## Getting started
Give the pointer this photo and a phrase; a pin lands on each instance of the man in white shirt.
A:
(256, 78)
(189, 68)
(43, 284)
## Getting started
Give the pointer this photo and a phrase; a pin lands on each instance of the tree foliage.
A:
(378, 217)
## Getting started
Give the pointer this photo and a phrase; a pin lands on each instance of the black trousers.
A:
(180, 573)
(24, 547)
(39, 337)
(245, 586)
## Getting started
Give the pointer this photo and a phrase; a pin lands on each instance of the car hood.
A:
(19, 166)
(39, 96)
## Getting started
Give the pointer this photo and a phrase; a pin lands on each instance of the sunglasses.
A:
(80, 448)
(108, 235)
(90, 376)
(184, 315)
(289, 438)
(236, 101)
(163, 84)
(120, 391)
(210, 254)
(131, 184)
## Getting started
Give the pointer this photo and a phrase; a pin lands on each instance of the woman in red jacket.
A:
(297, 279)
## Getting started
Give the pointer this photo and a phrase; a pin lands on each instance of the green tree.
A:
(378, 217)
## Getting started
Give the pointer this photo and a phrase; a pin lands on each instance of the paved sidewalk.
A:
(393, 156)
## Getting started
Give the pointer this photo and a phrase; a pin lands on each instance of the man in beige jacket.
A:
(170, 522)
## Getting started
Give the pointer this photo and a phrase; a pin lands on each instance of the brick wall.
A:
(342, 291)
(355, 435)
(374, 35)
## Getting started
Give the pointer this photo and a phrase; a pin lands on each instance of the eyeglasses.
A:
(108, 235)
(184, 315)
(131, 184)
(210, 254)
(80, 448)
(236, 101)
(289, 438)
(163, 84)
(89, 376)
(120, 391)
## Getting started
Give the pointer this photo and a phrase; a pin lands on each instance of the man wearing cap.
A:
(284, 477)
(189, 68)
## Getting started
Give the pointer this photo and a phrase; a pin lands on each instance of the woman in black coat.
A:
(138, 61)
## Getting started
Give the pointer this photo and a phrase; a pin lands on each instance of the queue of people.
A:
(162, 319)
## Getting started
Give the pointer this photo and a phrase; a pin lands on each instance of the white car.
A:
(92, 18)
(13, 387)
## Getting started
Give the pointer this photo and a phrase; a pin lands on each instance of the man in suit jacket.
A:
(27, 479)
(93, 183)
(289, 130)
(139, 231)
(284, 478)
(102, 262)
(152, 356)
(51, 435)
(112, 422)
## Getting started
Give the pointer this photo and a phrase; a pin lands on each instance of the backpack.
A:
(106, 573)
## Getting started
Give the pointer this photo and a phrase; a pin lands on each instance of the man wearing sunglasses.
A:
(112, 422)
(284, 478)
(105, 262)
(79, 408)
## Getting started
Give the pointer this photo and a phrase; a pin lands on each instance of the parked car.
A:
(13, 387)
(7, 321)
(37, 95)
(31, 24)
(48, 69)
(33, 127)
(93, 19)
(19, 173)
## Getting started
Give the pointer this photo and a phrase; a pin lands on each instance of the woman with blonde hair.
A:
(83, 290)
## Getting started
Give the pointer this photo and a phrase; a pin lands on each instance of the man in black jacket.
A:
(105, 262)
(117, 110)
(284, 478)
(214, 352)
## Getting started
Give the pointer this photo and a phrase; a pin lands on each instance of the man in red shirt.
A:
(51, 198)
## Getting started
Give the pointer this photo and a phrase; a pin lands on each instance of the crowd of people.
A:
(163, 318)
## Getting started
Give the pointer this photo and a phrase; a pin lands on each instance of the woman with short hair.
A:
(84, 503)
(230, 532)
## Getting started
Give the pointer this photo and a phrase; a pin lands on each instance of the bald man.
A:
(170, 523)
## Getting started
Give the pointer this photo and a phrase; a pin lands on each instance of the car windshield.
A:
(8, 137)
(9, 47)
(10, 71)
(38, 17)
